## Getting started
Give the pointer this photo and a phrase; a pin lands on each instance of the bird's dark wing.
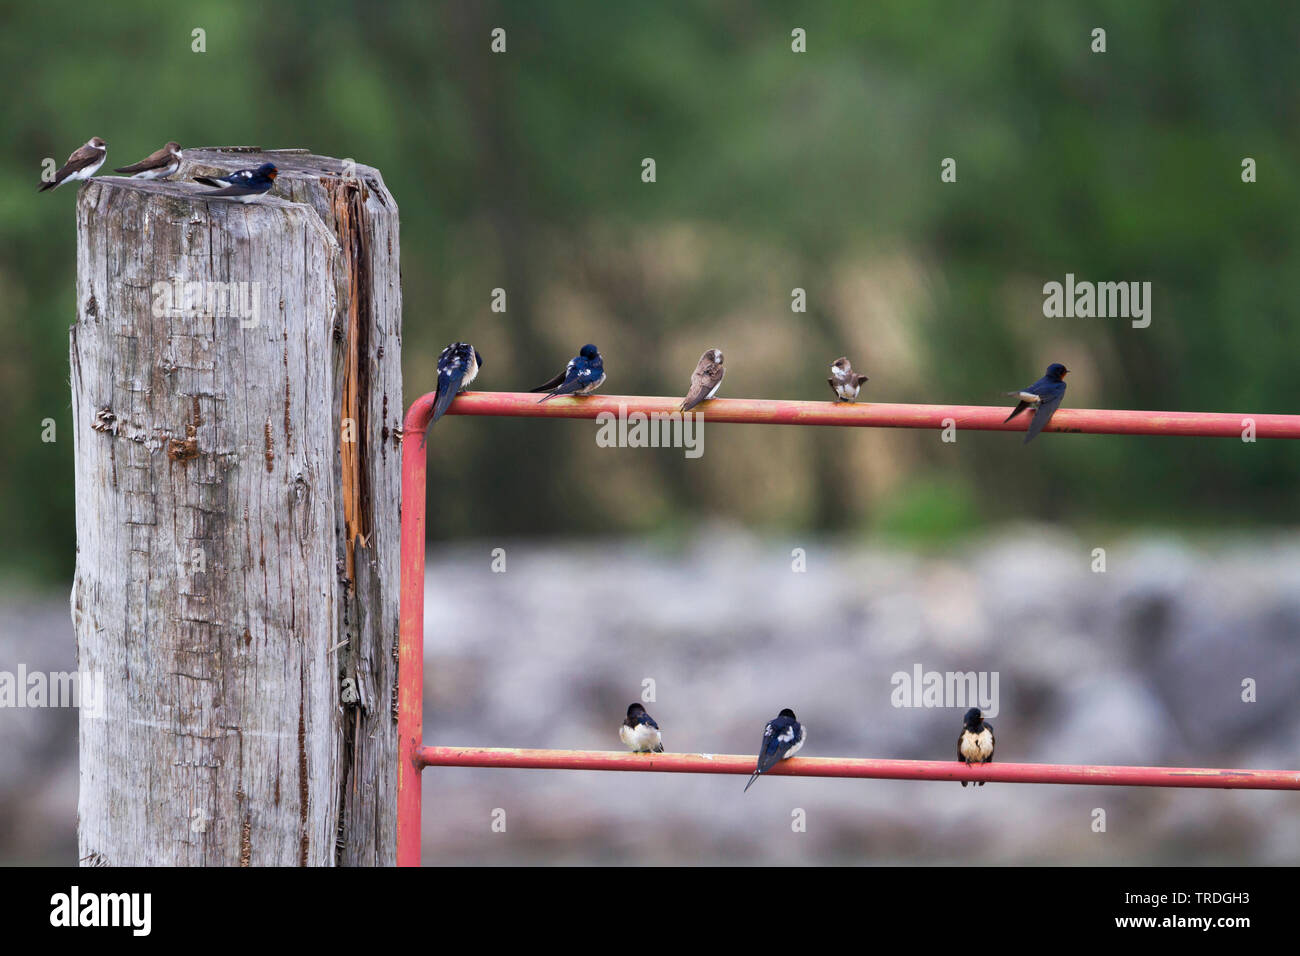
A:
(553, 383)
(155, 160)
(235, 190)
(85, 156)
(209, 181)
(576, 375)
(651, 721)
(1042, 415)
(448, 386)
(831, 383)
(992, 741)
(769, 755)
(1016, 411)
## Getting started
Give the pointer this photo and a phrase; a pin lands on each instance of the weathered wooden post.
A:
(237, 391)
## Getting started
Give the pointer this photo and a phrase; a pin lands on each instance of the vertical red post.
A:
(410, 653)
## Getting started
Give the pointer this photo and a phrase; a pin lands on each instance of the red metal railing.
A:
(864, 767)
(414, 756)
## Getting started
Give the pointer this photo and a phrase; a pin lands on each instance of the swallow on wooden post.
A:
(244, 185)
(845, 382)
(705, 380)
(582, 376)
(1044, 396)
(975, 745)
(82, 164)
(782, 738)
(161, 164)
(640, 732)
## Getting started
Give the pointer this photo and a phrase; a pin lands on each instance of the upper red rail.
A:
(862, 767)
(1098, 421)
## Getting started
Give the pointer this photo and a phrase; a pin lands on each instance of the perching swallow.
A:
(159, 165)
(582, 376)
(844, 381)
(1044, 395)
(975, 745)
(705, 380)
(242, 186)
(640, 732)
(782, 738)
(82, 164)
(458, 365)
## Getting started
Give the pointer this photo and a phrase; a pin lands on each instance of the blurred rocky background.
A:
(775, 171)
(1142, 664)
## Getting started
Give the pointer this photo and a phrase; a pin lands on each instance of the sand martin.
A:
(242, 186)
(158, 165)
(640, 732)
(705, 380)
(975, 745)
(1044, 395)
(844, 381)
(82, 164)
(582, 376)
(458, 365)
(782, 738)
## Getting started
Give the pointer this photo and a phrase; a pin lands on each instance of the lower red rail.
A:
(509, 757)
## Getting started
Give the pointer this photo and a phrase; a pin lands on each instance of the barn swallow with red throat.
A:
(157, 165)
(245, 185)
(82, 164)
(845, 382)
(705, 380)
(1044, 396)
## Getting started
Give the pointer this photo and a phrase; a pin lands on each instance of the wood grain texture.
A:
(236, 576)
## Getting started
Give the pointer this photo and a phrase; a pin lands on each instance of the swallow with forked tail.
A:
(582, 376)
(162, 164)
(82, 164)
(1044, 396)
(458, 366)
(705, 380)
(244, 185)
(782, 738)
(845, 382)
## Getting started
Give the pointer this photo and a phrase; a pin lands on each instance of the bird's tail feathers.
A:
(443, 402)
(751, 780)
(209, 181)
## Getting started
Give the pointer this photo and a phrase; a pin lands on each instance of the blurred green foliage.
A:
(775, 170)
